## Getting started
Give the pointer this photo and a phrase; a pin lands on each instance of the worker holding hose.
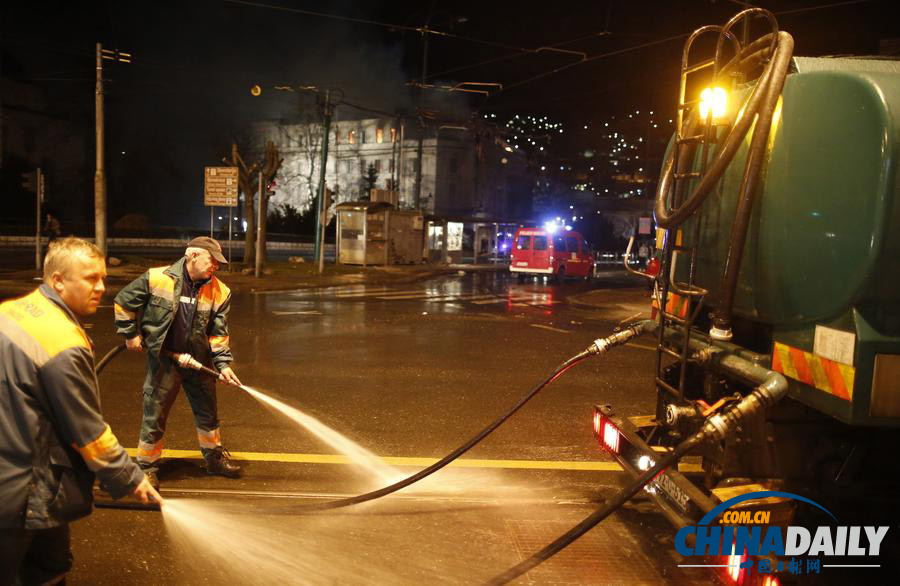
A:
(53, 439)
(183, 311)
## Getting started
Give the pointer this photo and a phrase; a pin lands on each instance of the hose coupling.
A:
(765, 395)
(601, 345)
(675, 414)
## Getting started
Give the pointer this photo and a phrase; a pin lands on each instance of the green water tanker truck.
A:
(778, 210)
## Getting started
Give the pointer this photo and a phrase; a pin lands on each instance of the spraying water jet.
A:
(373, 463)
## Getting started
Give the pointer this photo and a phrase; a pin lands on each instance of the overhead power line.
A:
(387, 25)
(657, 42)
(554, 46)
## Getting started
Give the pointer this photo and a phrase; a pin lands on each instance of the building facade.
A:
(465, 171)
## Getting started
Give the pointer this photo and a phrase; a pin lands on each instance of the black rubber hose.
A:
(771, 388)
(98, 368)
(472, 442)
(603, 512)
(722, 316)
(599, 346)
(345, 502)
(667, 218)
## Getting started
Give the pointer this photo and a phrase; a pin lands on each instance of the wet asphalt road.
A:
(409, 371)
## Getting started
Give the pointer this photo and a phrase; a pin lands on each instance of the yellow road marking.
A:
(412, 461)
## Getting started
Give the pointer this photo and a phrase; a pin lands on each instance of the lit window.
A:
(393, 135)
(351, 137)
(379, 135)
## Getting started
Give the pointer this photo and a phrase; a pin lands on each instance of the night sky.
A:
(185, 97)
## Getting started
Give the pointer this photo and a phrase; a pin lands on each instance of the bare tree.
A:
(308, 136)
(268, 164)
(245, 185)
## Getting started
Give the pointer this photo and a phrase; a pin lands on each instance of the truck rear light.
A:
(606, 431)
(734, 570)
(734, 561)
(611, 437)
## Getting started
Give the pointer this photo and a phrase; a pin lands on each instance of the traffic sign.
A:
(220, 186)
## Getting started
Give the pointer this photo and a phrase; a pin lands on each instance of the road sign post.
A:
(220, 188)
(34, 181)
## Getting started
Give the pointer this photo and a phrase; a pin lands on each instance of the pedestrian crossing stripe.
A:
(826, 375)
(374, 292)
(388, 294)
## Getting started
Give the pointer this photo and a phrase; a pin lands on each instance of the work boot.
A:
(150, 473)
(218, 461)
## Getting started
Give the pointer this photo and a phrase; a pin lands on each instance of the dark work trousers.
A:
(164, 378)
(34, 556)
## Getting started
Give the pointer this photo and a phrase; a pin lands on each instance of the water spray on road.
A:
(253, 548)
(358, 455)
(353, 451)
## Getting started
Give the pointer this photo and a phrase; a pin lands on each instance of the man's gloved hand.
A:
(134, 343)
(227, 375)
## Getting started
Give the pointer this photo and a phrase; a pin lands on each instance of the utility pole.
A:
(259, 223)
(400, 136)
(39, 198)
(320, 225)
(417, 195)
(34, 181)
(100, 173)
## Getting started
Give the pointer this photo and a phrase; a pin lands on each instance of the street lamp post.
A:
(100, 173)
(320, 224)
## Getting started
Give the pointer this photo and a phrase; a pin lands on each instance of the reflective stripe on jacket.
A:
(53, 440)
(153, 295)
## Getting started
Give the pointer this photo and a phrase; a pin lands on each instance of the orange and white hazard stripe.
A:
(209, 438)
(676, 305)
(149, 453)
(826, 375)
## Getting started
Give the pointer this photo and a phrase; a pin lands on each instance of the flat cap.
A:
(211, 245)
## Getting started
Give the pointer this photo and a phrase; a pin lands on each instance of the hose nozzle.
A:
(185, 360)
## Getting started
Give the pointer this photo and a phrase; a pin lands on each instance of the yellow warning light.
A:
(255, 91)
(714, 99)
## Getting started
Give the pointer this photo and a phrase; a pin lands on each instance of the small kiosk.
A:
(375, 233)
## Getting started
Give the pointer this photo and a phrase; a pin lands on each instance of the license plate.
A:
(521, 264)
(672, 490)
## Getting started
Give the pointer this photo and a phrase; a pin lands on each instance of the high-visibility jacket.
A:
(53, 440)
(155, 296)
